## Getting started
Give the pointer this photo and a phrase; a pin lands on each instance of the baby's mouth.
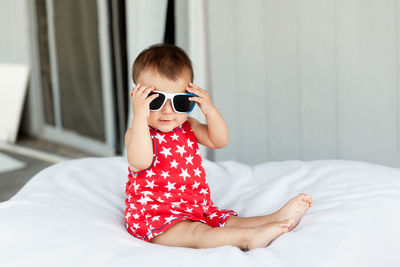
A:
(166, 121)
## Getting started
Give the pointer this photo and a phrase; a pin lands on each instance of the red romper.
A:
(174, 188)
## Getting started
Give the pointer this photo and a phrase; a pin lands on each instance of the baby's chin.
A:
(165, 126)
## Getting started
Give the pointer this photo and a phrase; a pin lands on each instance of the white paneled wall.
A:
(14, 32)
(309, 79)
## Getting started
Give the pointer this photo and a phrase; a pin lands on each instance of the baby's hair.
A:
(168, 60)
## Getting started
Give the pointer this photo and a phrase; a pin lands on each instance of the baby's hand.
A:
(203, 98)
(141, 100)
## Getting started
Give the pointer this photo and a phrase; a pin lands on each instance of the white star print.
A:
(150, 184)
(197, 172)
(190, 143)
(165, 174)
(174, 164)
(184, 174)
(160, 200)
(136, 225)
(170, 186)
(189, 210)
(133, 207)
(175, 212)
(212, 215)
(160, 138)
(181, 150)
(136, 216)
(136, 186)
(143, 200)
(155, 218)
(156, 161)
(197, 152)
(177, 204)
(169, 219)
(149, 234)
(166, 152)
(167, 195)
(128, 214)
(182, 188)
(203, 191)
(174, 137)
(195, 185)
(149, 173)
(145, 193)
(195, 204)
(189, 159)
(204, 203)
(155, 206)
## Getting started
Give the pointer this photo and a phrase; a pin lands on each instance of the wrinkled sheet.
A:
(71, 214)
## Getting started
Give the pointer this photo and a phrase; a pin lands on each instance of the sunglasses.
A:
(180, 101)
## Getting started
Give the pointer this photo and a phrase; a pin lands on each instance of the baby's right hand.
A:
(141, 100)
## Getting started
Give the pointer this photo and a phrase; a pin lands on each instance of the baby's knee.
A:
(183, 234)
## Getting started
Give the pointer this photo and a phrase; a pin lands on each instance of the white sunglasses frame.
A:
(170, 97)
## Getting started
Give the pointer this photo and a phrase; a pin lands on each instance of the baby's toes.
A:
(306, 198)
(286, 224)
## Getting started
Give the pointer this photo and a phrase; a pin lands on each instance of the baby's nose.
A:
(167, 108)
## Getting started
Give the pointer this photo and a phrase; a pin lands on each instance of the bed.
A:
(71, 214)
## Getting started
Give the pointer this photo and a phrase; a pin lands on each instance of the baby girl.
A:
(168, 199)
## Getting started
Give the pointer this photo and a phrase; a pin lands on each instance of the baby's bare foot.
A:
(294, 209)
(265, 234)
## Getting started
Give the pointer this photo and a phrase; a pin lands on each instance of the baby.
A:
(168, 198)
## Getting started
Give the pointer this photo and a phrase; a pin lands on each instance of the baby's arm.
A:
(138, 141)
(215, 133)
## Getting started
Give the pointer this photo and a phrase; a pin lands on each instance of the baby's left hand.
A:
(203, 98)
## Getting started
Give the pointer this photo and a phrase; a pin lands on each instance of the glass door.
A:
(76, 74)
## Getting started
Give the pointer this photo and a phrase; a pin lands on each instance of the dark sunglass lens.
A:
(156, 103)
(183, 104)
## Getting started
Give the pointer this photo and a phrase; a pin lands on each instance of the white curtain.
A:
(145, 25)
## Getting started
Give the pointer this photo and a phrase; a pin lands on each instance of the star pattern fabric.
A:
(174, 188)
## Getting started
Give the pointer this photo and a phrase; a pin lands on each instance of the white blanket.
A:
(71, 214)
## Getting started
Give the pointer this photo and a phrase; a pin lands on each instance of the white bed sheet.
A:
(71, 214)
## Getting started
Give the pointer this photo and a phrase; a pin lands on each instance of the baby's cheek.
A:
(152, 119)
(181, 118)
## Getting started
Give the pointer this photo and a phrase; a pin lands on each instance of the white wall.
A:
(14, 32)
(312, 79)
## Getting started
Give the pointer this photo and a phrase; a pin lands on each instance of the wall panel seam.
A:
(336, 78)
(298, 76)
(397, 76)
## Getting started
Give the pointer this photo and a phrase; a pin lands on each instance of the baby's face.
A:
(165, 119)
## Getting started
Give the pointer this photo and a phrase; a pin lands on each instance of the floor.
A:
(37, 154)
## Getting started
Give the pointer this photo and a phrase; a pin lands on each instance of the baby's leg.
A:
(293, 210)
(198, 235)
